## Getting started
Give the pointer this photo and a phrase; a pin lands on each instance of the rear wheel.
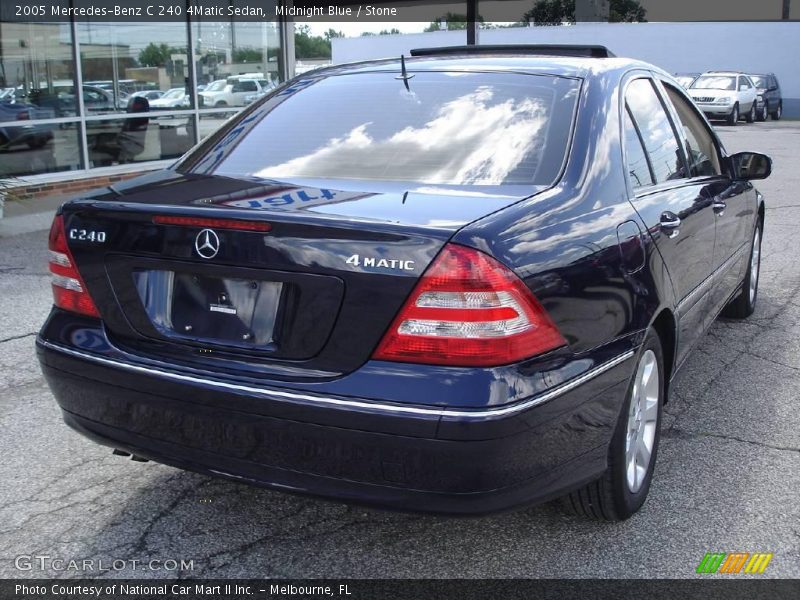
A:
(743, 305)
(776, 116)
(623, 488)
(751, 114)
(733, 118)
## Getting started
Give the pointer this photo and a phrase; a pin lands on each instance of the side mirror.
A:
(772, 88)
(750, 165)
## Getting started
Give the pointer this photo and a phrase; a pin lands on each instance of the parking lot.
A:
(727, 476)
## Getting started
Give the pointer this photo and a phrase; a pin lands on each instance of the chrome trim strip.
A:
(362, 404)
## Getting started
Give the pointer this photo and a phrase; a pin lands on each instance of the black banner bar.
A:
(398, 589)
(377, 11)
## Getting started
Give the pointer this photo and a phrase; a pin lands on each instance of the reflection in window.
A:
(120, 59)
(715, 82)
(36, 70)
(237, 62)
(657, 134)
(450, 128)
(34, 149)
(638, 169)
(701, 151)
(138, 139)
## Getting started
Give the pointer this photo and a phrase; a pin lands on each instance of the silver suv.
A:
(725, 95)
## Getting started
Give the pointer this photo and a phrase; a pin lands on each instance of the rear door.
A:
(676, 209)
(733, 202)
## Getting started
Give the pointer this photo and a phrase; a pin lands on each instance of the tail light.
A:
(469, 310)
(69, 291)
(24, 115)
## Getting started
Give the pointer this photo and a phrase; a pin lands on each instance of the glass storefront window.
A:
(121, 61)
(142, 138)
(36, 69)
(134, 82)
(236, 62)
(39, 148)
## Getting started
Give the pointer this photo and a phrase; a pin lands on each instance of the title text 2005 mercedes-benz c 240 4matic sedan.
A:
(457, 282)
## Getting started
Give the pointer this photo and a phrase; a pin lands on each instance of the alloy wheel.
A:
(642, 421)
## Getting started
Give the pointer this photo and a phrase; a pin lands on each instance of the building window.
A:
(37, 76)
(236, 62)
(138, 101)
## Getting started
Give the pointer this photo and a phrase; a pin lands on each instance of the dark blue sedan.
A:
(457, 282)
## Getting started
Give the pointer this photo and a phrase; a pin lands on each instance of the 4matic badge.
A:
(380, 263)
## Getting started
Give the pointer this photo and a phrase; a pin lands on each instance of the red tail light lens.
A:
(469, 310)
(69, 291)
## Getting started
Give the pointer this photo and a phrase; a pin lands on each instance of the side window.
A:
(636, 160)
(701, 151)
(743, 84)
(656, 132)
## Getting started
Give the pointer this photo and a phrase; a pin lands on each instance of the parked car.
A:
(62, 100)
(412, 283)
(19, 113)
(150, 95)
(770, 98)
(232, 92)
(172, 99)
(686, 79)
(725, 95)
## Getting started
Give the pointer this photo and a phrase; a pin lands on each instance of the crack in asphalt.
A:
(17, 337)
(682, 434)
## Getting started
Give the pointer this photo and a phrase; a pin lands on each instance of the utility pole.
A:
(786, 10)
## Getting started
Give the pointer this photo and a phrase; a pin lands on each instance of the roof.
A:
(561, 66)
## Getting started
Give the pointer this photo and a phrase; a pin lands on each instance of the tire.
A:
(776, 116)
(733, 118)
(751, 114)
(221, 104)
(763, 114)
(622, 489)
(743, 305)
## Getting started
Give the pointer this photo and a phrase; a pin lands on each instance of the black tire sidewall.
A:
(628, 502)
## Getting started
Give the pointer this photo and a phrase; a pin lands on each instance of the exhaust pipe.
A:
(118, 452)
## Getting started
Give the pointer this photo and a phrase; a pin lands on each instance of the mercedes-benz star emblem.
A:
(207, 243)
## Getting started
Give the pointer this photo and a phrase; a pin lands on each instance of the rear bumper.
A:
(345, 448)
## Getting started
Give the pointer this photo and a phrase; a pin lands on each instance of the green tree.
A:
(556, 12)
(550, 12)
(332, 33)
(392, 31)
(247, 55)
(454, 21)
(310, 46)
(626, 11)
(155, 55)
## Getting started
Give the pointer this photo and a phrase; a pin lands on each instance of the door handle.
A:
(719, 207)
(670, 223)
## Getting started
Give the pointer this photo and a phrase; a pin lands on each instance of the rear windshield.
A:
(446, 128)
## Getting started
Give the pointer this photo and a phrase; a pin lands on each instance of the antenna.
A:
(404, 73)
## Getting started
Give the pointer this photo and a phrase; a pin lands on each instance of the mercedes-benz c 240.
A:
(455, 282)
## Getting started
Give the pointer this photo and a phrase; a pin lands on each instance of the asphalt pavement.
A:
(727, 477)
